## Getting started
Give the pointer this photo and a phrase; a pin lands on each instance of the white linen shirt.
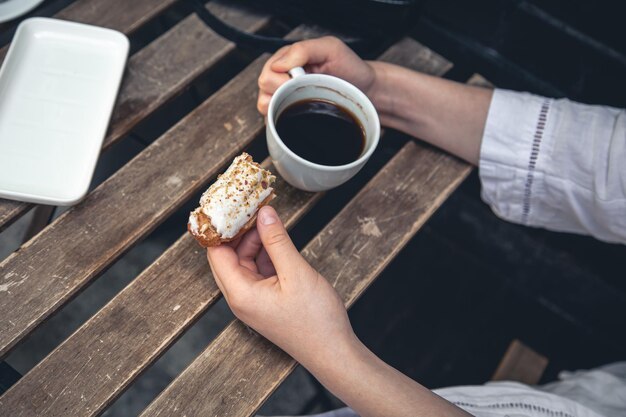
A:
(599, 392)
(555, 164)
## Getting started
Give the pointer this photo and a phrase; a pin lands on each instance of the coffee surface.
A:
(321, 132)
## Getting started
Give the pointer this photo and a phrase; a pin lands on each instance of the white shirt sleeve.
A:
(555, 164)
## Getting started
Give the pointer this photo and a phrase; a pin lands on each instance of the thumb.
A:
(277, 242)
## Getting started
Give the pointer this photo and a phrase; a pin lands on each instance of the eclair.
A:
(228, 208)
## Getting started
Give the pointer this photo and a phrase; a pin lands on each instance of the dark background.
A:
(468, 284)
(572, 48)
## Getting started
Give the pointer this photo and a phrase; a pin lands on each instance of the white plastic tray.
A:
(58, 85)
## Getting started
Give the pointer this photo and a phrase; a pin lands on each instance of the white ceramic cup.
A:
(296, 170)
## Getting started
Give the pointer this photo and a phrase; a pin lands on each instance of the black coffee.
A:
(321, 132)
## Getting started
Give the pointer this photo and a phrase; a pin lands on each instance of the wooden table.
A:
(238, 370)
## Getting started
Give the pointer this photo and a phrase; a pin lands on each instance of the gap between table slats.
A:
(11, 211)
(120, 15)
(100, 13)
(97, 363)
(52, 267)
(167, 298)
(158, 72)
(240, 369)
(123, 15)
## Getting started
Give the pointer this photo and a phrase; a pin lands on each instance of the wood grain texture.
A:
(11, 211)
(94, 365)
(125, 16)
(163, 69)
(478, 81)
(411, 54)
(522, 364)
(52, 267)
(42, 215)
(49, 269)
(240, 369)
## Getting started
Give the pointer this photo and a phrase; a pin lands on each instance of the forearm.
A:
(447, 114)
(371, 387)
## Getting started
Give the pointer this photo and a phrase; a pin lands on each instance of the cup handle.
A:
(296, 72)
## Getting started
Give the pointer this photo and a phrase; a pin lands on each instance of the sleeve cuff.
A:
(513, 153)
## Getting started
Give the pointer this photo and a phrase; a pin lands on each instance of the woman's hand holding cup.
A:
(327, 55)
(345, 90)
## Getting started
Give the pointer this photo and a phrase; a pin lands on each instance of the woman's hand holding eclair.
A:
(273, 289)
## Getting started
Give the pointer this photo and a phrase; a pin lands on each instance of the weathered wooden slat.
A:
(123, 15)
(240, 369)
(120, 15)
(52, 267)
(160, 71)
(478, 81)
(411, 54)
(164, 68)
(520, 363)
(11, 211)
(96, 364)
(42, 215)
(84, 240)
(65, 256)
(116, 14)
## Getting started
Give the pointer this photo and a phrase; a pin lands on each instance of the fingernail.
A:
(267, 216)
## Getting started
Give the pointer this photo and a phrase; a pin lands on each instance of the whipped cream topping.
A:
(193, 222)
(231, 201)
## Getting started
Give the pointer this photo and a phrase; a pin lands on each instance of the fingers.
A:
(270, 81)
(248, 250)
(264, 264)
(263, 103)
(253, 255)
(280, 249)
(277, 55)
(228, 273)
(309, 52)
(233, 243)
